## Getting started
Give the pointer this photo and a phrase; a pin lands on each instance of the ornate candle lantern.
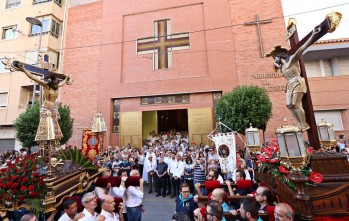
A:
(326, 135)
(293, 154)
(252, 139)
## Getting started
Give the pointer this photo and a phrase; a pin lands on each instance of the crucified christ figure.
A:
(49, 128)
(296, 87)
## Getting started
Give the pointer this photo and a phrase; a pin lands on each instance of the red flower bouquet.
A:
(268, 161)
(20, 180)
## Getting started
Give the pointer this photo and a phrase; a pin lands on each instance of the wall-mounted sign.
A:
(264, 77)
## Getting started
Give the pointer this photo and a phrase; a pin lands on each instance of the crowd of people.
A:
(170, 166)
(173, 167)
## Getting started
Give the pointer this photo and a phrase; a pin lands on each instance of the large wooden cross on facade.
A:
(162, 44)
(328, 25)
(258, 23)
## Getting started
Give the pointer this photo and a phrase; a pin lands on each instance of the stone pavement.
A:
(157, 208)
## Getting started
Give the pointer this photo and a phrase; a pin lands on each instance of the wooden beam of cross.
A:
(45, 70)
(328, 25)
(162, 44)
(258, 23)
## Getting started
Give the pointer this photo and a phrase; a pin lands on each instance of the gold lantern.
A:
(252, 139)
(326, 135)
(293, 154)
(292, 149)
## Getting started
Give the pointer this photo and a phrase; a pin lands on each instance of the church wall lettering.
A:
(264, 78)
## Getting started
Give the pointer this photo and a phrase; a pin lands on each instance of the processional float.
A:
(62, 178)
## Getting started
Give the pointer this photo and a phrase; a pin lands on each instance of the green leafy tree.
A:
(27, 124)
(245, 105)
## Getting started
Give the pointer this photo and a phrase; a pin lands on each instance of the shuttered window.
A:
(3, 99)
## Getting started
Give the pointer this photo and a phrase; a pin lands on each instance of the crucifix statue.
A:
(291, 65)
(49, 129)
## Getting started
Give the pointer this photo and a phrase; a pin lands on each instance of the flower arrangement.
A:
(268, 159)
(21, 180)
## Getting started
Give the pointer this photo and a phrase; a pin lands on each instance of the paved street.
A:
(157, 208)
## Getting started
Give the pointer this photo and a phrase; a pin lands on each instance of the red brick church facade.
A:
(201, 49)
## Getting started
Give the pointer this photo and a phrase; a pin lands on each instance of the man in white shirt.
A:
(89, 201)
(120, 191)
(70, 211)
(101, 191)
(108, 206)
(171, 168)
(134, 197)
(150, 168)
(178, 172)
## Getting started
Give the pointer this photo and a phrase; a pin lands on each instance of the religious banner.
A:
(90, 143)
(226, 149)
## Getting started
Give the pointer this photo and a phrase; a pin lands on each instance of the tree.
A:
(245, 105)
(27, 123)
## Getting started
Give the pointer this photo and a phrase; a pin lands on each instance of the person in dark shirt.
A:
(161, 172)
(185, 203)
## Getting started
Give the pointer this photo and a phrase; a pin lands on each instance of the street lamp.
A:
(35, 21)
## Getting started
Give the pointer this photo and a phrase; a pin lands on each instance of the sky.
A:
(313, 12)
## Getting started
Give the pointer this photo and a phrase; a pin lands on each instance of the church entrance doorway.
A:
(164, 121)
(173, 119)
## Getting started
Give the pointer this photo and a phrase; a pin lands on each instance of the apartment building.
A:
(21, 39)
(327, 66)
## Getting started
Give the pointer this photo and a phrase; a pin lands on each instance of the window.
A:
(12, 3)
(36, 98)
(332, 116)
(40, 1)
(58, 2)
(54, 58)
(3, 99)
(2, 67)
(48, 25)
(8, 32)
(31, 57)
(7, 144)
(55, 27)
(45, 26)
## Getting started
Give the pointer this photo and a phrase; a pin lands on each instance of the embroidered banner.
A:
(226, 149)
(90, 142)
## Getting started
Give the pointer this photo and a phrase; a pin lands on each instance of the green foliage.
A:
(76, 157)
(34, 205)
(245, 105)
(66, 123)
(27, 124)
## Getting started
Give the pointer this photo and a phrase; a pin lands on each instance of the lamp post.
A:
(35, 21)
(293, 154)
(326, 135)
